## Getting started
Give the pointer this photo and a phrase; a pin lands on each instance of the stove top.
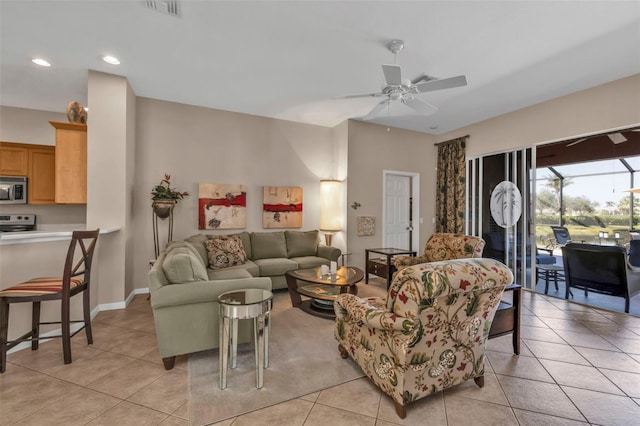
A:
(17, 222)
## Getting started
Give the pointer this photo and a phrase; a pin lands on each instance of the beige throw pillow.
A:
(225, 251)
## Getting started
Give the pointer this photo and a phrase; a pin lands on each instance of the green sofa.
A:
(184, 289)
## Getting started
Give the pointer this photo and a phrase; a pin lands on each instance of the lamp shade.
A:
(330, 212)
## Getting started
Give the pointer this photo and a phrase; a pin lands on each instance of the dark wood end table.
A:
(383, 267)
(507, 318)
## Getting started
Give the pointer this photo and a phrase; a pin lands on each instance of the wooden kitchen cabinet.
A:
(42, 175)
(37, 163)
(14, 159)
(70, 163)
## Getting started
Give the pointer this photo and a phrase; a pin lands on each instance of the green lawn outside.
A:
(544, 234)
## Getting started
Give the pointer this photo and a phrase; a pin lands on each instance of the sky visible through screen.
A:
(609, 182)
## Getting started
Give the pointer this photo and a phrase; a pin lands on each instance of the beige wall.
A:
(200, 145)
(29, 125)
(340, 172)
(372, 150)
(130, 150)
(609, 106)
(109, 180)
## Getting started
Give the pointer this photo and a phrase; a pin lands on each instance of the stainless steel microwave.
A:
(13, 190)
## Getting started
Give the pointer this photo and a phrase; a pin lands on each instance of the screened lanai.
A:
(583, 184)
(591, 199)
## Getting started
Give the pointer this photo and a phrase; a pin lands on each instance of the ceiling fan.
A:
(405, 91)
(616, 138)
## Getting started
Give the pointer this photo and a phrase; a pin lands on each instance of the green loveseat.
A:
(184, 289)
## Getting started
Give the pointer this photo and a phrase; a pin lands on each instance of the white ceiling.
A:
(291, 60)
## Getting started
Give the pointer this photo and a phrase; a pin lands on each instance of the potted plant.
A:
(164, 197)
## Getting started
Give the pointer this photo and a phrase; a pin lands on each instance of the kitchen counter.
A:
(55, 233)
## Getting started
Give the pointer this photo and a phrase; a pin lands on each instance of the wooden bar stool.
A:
(75, 279)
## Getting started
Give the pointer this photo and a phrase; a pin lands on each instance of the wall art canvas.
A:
(366, 226)
(282, 207)
(222, 206)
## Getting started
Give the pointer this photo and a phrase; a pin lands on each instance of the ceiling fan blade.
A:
(576, 142)
(419, 106)
(443, 83)
(376, 110)
(617, 138)
(422, 78)
(392, 74)
(366, 95)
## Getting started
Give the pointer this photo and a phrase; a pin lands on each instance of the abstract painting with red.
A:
(222, 206)
(282, 207)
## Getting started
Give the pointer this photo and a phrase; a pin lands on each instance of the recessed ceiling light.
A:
(435, 126)
(111, 60)
(41, 62)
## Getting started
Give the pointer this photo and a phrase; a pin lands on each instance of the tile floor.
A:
(579, 365)
(119, 380)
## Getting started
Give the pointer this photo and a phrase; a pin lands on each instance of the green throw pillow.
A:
(301, 243)
(181, 265)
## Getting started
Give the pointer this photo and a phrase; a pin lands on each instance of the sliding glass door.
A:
(500, 198)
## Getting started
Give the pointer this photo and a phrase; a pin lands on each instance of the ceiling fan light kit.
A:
(395, 46)
(405, 91)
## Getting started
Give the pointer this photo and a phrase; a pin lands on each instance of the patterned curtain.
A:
(450, 191)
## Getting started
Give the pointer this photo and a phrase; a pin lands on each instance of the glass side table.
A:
(244, 304)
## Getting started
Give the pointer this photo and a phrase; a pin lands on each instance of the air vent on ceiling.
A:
(169, 7)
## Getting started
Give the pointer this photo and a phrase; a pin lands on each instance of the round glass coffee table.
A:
(244, 304)
(321, 289)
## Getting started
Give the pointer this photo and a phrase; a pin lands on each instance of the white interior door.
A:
(397, 211)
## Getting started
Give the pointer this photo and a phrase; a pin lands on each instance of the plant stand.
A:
(165, 212)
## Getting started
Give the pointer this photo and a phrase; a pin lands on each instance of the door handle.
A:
(409, 228)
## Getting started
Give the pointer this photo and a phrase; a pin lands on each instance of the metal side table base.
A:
(244, 304)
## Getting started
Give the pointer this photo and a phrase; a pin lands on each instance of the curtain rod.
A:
(451, 140)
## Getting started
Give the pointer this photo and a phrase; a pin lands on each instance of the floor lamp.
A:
(330, 212)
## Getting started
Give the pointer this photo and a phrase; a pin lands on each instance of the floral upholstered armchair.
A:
(444, 246)
(430, 332)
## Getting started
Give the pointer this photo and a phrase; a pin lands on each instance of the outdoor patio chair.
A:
(601, 269)
(561, 235)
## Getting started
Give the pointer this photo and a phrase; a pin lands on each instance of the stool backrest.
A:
(86, 240)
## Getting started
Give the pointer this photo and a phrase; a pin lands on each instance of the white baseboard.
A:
(77, 326)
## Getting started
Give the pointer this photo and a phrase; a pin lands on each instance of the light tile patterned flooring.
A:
(578, 365)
